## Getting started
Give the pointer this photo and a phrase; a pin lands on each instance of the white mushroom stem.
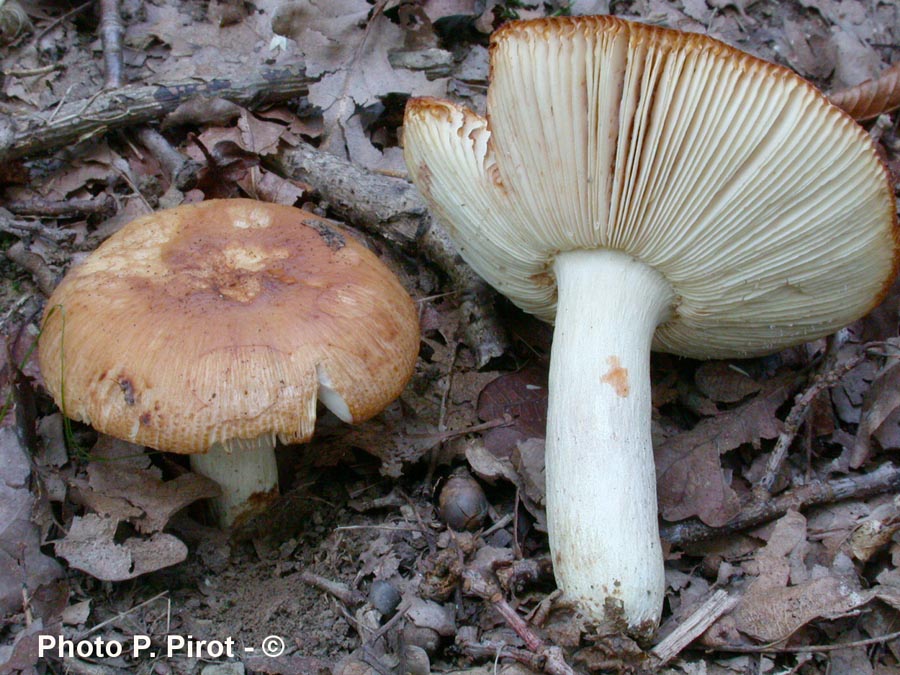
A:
(247, 473)
(601, 482)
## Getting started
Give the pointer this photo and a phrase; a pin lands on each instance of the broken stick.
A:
(885, 478)
(694, 626)
(132, 105)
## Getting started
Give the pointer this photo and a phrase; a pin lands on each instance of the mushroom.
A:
(648, 188)
(213, 329)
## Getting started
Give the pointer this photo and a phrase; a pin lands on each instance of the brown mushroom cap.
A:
(216, 321)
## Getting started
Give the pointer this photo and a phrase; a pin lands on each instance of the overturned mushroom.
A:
(646, 188)
(213, 329)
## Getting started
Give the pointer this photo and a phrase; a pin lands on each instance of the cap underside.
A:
(217, 321)
(766, 208)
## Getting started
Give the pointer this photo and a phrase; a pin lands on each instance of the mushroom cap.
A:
(765, 207)
(218, 321)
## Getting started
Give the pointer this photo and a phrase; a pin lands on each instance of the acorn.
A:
(463, 504)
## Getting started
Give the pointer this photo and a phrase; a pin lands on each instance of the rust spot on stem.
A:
(616, 376)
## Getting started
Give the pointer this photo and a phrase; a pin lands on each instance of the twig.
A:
(550, 662)
(131, 105)
(15, 307)
(801, 649)
(797, 415)
(499, 525)
(885, 478)
(504, 421)
(181, 171)
(58, 20)
(34, 264)
(122, 615)
(104, 205)
(390, 623)
(80, 667)
(335, 588)
(30, 72)
(694, 626)
(388, 528)
(477, 582)
(111, 32)
(22, 228)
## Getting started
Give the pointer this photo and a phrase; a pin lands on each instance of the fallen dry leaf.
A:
(771, 615)
(888, 434)
(77, 614)
(23, 653)
(90, 546)
(490, 468)
(346, 44)
(774, 606)
(855, 61)
(721, 382)
(880, 402)
(22, 565)
(688, 470)
(261, 136)
(528, 461)
(122, 483)
(808, 48)
(871, 98)
(199, 47)
(380, 559)
(226, 165)
(848, 396)
(874, 532)
(772, 564)
(270, 187)
(521, 395)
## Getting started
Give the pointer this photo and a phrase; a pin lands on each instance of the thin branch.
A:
(806, 649)
(340, 591)
(122, 615)
(103, 205)
(181, 171)
(694, 626)
(31, 262)
(399, 614)
(25, 228)
(58, 20)
(77, 121)
(31, 72)
(550, 662)
(111, 32)
(797, 415)
(482, 584)
(885, 478)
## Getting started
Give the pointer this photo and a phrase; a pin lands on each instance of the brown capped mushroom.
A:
(646, 188)
(213, 329)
